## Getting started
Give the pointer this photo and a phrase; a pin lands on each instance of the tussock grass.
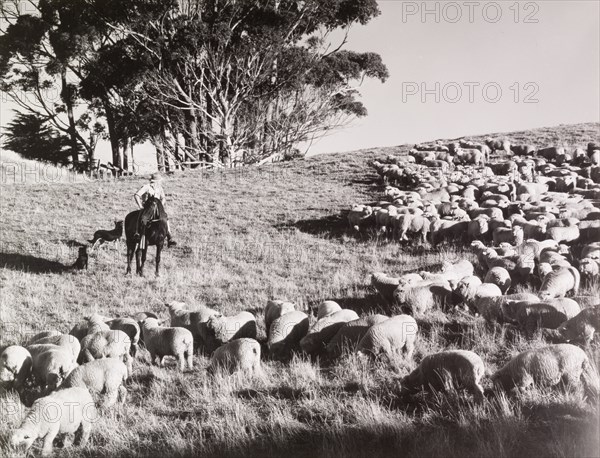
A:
(246, 236)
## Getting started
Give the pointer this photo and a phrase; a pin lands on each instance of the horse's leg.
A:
(138, 261)
(130, 250)
(159, 247)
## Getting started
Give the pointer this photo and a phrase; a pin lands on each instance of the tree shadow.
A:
(32, 264)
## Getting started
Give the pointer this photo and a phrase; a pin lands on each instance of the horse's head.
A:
(153, 209)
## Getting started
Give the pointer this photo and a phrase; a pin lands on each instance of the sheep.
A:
(50, 364)
(130, 327)
(457, 270)
(327, 308)
(350, 334)
(589, 269)
(192, 320)
(419, 297)
(559, 282)
(385, 285)
(549, 315)
(502, 308)
(285, 334)
(106, 344)
(219, 330)
(89, 324)
(452, 368)
(513, 235)
(62, 340)
(104, 378)
(275, 309)
(358, 215)
(563, 234)
(591, 251)
(324, 330)
(500, 277)
(75, 409)
(448, 230)
(237, 355)
(413, 224)
(43, 335)
(470, 291)
(390, 338)
(162, 341)
(15, 366)
(581, 327)
(478, 228)
(548, 367)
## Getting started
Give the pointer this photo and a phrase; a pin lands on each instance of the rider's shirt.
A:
(151, 190)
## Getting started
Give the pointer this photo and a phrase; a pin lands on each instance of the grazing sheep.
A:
(221, 329)
(275, 309)
(559, 282)
(50, 364)
(420, 297)
(385, 285)
(500, 277)
(393, 337)
(194, 321)
(237, 355)
(161, 341)
(478, 228)
(285, 334)
(358, 215)
(324, 330)
(327, 308)
(43, 335)
(589, 269)
(563, 234)
(89, 324)
(548, 367)
(445, 230)
(130, 327)
(470, 291)
(104, 378)
(350, 334)
(15, 366)
(452, 368)
(513, 235)
(62, 340)
(412, 224)
(581, 327)
(106, 344)
(456, 271)
(75, 409)
(549, 315)
(501, 309)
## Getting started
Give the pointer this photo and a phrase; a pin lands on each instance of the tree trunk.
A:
(192, 128)
(117, 156)
(67, 99)
(127, 154)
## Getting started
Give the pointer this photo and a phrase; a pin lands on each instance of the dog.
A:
(101, 236)
(82, 259)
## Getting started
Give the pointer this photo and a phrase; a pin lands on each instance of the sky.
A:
(465, 68)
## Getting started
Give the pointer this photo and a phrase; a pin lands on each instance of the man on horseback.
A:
(152, 189)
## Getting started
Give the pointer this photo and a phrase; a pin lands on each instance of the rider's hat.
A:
(155, 177)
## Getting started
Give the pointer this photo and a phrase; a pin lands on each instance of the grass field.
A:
(245, 236)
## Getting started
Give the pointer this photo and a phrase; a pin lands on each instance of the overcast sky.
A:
(482, 61)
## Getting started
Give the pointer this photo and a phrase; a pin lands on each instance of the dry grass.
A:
(246, 236)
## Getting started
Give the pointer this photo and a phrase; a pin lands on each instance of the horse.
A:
(154, 219)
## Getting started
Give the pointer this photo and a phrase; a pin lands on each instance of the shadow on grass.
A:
(32, 264)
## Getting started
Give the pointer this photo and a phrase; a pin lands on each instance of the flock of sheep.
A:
(531, 220)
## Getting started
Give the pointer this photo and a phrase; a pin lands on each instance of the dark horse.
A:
(154, 221)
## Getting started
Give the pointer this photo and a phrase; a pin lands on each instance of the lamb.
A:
(130, 327)
(285, 334)
(62, 340)
(581, 327)
(89, 324)
(275, 309)
(452, 368)
(549, 315)
(238, 355)
(15, 366)
(420, 297)
(326, 308)
(559, 282)
(76, 410)
(161, 341)
(324, 330)
(51, 364)
(104, 378)
(500, 277)
(350, 334)
(393, 337)
(219, 330)
(548, 367)
(106, 344)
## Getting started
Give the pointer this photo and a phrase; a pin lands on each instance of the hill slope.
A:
(245, 236)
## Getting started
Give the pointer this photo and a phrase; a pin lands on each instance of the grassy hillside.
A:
(246, 236)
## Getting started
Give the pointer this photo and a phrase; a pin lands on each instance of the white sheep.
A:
(88, 325)
(220, 329)
(327, 308)
(51, 364)
(420, 297)
(275, 309)
(548, 367)
(390, 338)
(351, 332)
(385, 285)
(559, 282)
(43, 335)
(286, 332)
(62, 340)
(15, 366)
(581, 328)
(563, 234)
(501, 309)
(161, 341)
(104, 378)
(470, 290)
(106, 344)
(324, 330)
(500, 277)
(237, 355)
(62, 412)
(452, 368)
(550, 314)
(130, 327)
